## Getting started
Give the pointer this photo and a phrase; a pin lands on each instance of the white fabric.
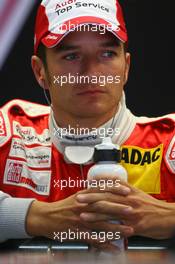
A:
(124, 122)
(70, 9)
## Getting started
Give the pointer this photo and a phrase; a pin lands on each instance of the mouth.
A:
(91, 92)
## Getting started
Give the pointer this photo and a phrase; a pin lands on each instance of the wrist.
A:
(170, 220)
(36, 220)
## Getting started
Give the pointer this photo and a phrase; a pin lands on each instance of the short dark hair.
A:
(41, 53)
(125, 46)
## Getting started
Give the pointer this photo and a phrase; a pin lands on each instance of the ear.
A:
(127, 66)
(39, 71)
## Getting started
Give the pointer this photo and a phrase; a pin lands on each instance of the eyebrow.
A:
(116, 43)
(63, 48)
(67, 47)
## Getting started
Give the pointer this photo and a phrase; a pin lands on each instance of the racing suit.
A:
(32, 163)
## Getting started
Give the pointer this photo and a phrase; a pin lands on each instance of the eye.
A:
(109, 54)
(71, 57)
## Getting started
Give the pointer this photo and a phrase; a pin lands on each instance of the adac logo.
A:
(143, 166)
(139, 156)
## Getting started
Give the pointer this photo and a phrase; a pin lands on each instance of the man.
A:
(36, 157)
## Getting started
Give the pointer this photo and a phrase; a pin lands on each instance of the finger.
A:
(106, 204)
(88, 198)
(94, 217)
(110, 208)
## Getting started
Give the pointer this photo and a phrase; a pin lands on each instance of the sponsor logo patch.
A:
(170, 155)
(138, 156)
(18, 174)
(60, 9)
(3, 131)
(172, 152)
(143, 167)
(29, 135)
(14, 172)
(36, 157)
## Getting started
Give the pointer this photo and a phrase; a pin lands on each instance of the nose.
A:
(90, 67)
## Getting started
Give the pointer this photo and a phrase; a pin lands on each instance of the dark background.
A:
(150, 89)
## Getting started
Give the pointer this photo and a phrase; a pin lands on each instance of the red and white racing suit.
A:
(31, 166)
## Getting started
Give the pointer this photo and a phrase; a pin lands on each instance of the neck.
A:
(122, 124)
(65, 120)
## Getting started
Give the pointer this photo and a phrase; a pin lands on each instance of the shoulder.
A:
(30, 109)
(164, 129)
(22, 112)
(165, 120)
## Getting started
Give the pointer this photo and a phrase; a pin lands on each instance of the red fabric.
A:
(41, 26)
(144, 135)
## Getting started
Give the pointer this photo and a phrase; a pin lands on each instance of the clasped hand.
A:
(140, 213)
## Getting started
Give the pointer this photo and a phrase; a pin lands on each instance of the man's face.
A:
(101, 57)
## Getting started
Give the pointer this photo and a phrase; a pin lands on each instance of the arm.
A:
(13, 212)
(26, 218)
(45, 219)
